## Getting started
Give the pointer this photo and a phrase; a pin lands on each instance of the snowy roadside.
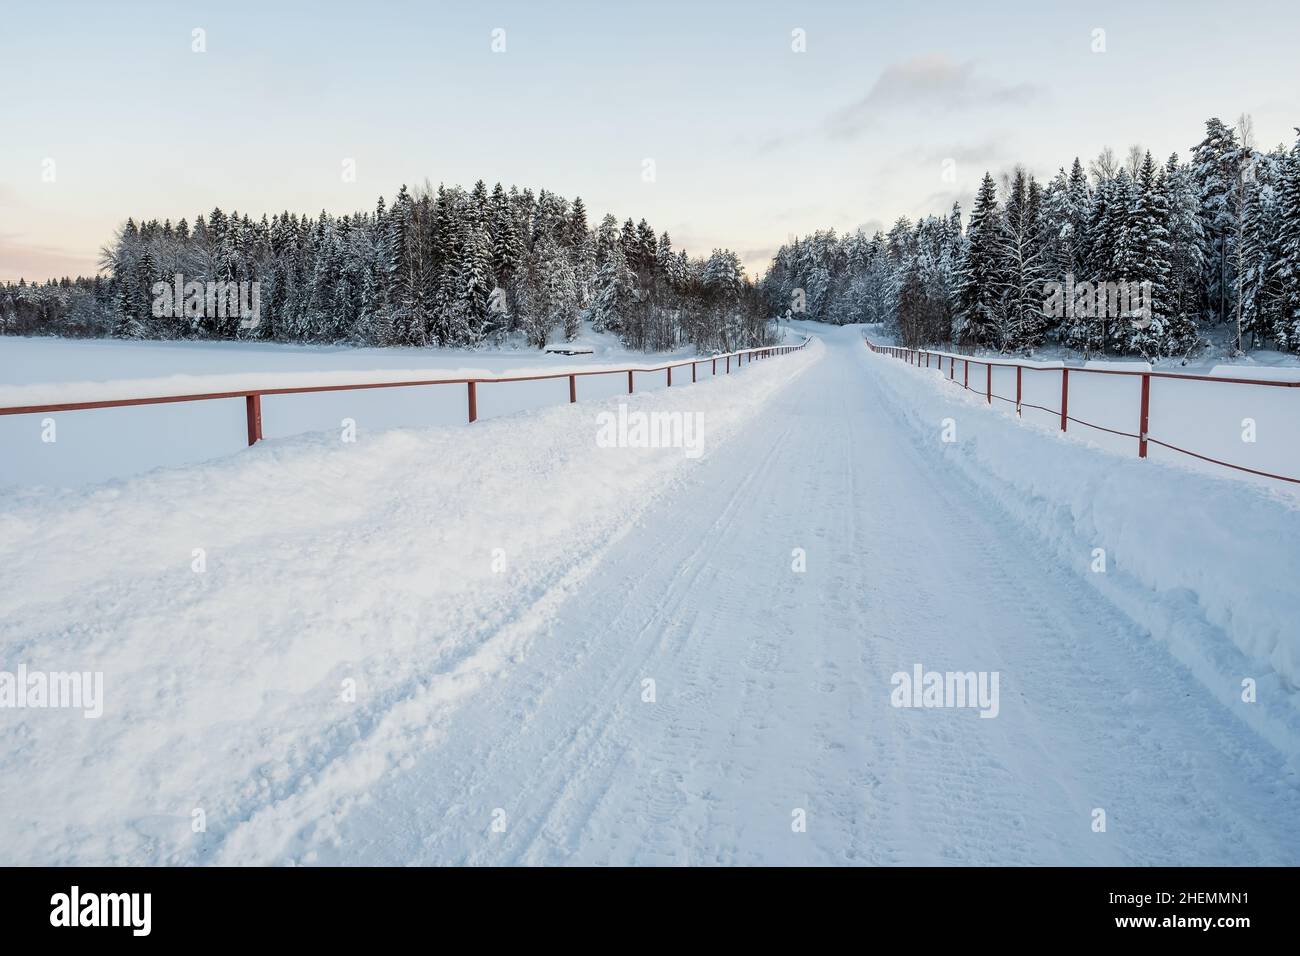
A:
(1207, 565)
(81, 448)
(157, 386)
(1254, 427)
(280, 628)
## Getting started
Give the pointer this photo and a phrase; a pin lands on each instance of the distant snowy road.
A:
(501, 717)
(773, 688)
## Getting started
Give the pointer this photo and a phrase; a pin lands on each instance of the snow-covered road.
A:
(652, 680)
(772, 688)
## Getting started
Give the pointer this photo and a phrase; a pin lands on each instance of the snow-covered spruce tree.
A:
(558, 303)
(584, 268)
(982, 280)
(1216, 164)
(442, 219)
(1066, 206)
(1144, 328)
(1286, 331)
(1058, 230)
(1186, 253)
(615, 292)
(327, 265)
(928, 257)
(136, 299)
(1261, 248)
(724, 287)
(474, 286)
(407, 317)
(879, 284)
(1020, 322)
(1111, 259)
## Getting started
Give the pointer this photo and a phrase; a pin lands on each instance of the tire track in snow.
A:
(773, 688)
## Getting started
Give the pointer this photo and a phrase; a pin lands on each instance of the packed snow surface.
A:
(506, 643)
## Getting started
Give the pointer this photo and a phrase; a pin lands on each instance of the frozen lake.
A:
(99, 444)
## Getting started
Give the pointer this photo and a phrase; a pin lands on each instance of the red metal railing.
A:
(253, 397)
(1142, 435)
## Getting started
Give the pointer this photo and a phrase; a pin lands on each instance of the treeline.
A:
(1212, 243)
(446, 267)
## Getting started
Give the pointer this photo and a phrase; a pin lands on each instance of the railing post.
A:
(473, 401)
(670, 376)
(728, 369)
(1019, 369)
(952, 368)
(1145, 414)
(988, 381)
(715, 366)
(629, 381)
(253, 409)
(1065, 396)
(573, 389)
(965, 373)
(692, 373)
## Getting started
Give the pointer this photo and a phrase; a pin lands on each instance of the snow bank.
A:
(1207, 564)
(1250, 426)
(1117, 365)
(1258, 374)
(283, 627)
(99, 444)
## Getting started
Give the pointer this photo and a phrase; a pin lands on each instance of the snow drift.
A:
(1207, 564)
(281, 628)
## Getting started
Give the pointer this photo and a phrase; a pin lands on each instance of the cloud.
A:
(976, 154)
(934, 82)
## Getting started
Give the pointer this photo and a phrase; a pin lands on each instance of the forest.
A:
(1213, 242)
(444, 267)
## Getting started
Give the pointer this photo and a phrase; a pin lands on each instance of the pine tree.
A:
(1286, 270)
(615, 292)
(1147, 329)
(982, 280)
(1186, 253)
(558, 306)
(1020, 319)
(577, 222)
(475, 285)
(1261, 248)
(1215, 161)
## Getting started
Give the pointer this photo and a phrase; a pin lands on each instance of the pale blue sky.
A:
(751, 141)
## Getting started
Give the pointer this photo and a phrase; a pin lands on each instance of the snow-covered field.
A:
(506, 643)
(98, 444)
